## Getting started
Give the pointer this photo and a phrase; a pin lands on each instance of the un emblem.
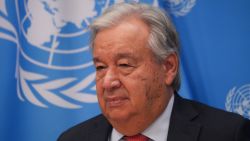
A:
(238, 100)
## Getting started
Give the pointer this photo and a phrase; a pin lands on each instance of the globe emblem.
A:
(54, 39)
(238, 100)
(56, 36)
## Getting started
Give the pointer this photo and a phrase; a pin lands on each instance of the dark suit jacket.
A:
(190, 121)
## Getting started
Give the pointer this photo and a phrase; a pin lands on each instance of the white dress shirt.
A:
(157, 131)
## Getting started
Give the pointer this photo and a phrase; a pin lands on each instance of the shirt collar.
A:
(156, 131)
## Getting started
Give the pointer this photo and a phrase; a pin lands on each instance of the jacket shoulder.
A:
(221, 124)
(210, 113)
(86, 129)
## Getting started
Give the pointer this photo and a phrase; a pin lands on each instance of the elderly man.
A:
(135, 52)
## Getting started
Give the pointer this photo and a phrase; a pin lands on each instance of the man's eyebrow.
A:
(125, 55)
(117, 56)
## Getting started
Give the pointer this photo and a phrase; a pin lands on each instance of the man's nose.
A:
(111, 80)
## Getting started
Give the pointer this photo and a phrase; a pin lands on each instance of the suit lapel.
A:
(182, 126)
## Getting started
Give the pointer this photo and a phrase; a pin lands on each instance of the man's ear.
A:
(171, 66)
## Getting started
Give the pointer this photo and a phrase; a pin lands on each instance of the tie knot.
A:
(138, 137)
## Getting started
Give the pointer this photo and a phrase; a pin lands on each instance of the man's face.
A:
(130, 81)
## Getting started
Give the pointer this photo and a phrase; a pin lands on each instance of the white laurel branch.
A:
(185, 9)
(3, 7)
(229, 99)
(7, 25)
(24, 77)
(45, 90)
(76, 94)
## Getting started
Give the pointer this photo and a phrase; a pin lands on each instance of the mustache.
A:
(120, 92)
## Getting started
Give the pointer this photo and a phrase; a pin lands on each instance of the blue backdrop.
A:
(47, 79)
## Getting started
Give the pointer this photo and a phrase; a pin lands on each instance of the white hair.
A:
(163, 38)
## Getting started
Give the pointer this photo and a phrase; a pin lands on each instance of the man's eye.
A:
(124, 65)
(98, 68)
